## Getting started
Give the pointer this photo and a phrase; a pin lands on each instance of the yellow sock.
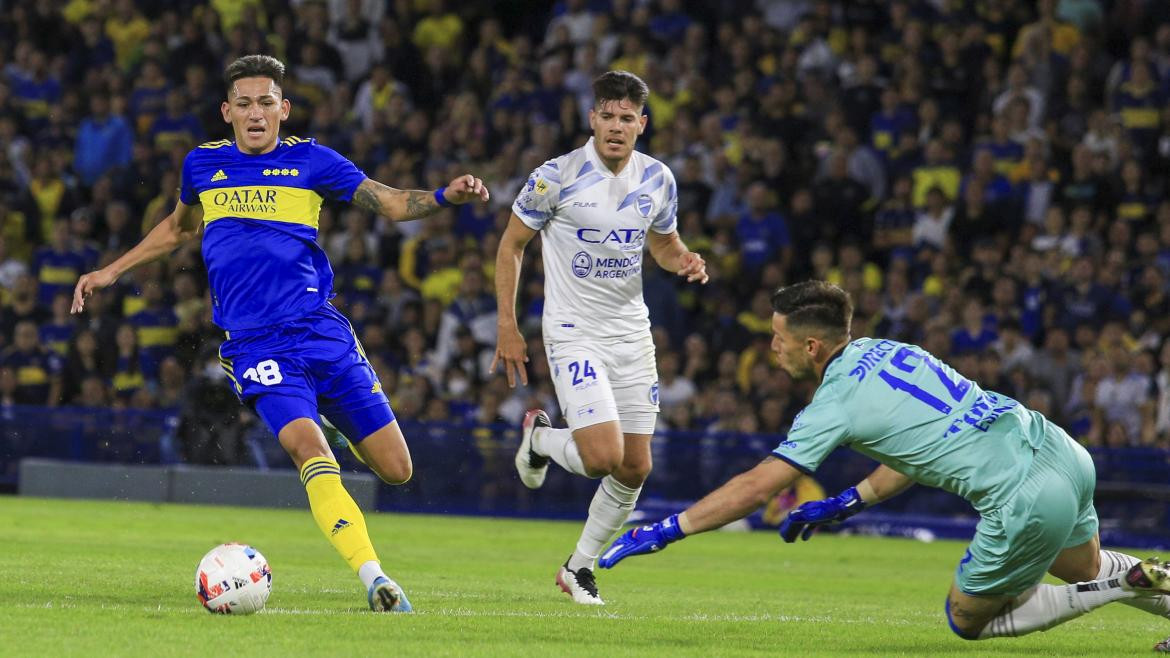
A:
(335, 512)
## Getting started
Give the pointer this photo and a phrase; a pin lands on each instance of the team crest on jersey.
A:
(644, 204)
(582, 264)
(654, 393)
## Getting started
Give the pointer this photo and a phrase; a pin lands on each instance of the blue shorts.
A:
(304, 368)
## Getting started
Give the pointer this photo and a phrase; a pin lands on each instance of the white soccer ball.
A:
(233, 578)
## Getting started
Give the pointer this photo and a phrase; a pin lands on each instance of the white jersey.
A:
(594, 227)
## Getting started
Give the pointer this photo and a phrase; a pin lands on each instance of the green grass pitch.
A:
(101, 578)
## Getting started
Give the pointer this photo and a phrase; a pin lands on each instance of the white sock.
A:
(1116, 564)
(1045, 606)
(558, 444)
(369, 572)
(610, 508)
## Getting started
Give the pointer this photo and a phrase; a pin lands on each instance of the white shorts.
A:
(597, 382)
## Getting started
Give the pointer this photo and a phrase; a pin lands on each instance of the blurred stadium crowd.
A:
(988, 178)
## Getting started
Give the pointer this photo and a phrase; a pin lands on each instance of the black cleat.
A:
(580, 585)
(530, 466)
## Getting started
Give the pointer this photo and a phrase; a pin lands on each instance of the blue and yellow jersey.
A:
(260, 226)
(1138, 108)
(56, 271)
(1006, 154)
(886, 128)
(34, 372)
(358, 281)
(128, 376)
(158, 331)
(56, 337)
(1135, 206)
(166, 131)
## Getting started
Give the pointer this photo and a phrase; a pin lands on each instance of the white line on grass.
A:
(469, 612)
(536, 614)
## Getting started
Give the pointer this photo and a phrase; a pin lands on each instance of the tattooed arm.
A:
(405, 205)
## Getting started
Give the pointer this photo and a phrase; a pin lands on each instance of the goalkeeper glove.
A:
(644, 539)
(814, 513)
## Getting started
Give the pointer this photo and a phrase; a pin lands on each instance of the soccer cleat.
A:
(530, 466)
(580, 585)
(1150, 575)
(386, 596)
(1163, 646)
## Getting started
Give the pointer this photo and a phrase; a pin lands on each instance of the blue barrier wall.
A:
(461, 468)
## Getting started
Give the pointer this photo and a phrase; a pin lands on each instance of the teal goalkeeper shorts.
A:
(1052, 510)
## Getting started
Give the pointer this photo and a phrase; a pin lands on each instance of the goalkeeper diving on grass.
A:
(1030, 482)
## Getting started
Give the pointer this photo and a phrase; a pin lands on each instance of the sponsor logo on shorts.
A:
(586, 411)
(582, 265)
(654, 393)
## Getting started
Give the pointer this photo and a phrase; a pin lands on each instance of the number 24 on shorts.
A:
(581, 371)
(266, 372)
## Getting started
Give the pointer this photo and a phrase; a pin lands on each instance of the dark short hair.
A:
(254, 66)
(619, 85)
(815, 307)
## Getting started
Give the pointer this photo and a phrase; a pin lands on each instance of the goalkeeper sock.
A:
(1044, 606)
(558, 444)
(610, 508)
(1114, 564)
(335, 511)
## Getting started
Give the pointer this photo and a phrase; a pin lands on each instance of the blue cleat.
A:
(339, 441)
(386, 596)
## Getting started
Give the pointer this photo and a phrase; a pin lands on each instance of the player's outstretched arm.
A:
(883, 483)
(511, 349)
(184, 224)
(742, 495)
(672, 255)
(405, 205)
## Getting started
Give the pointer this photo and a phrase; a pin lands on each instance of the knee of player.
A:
(395, 480)
(302, 444)
(603, 464)
(596, 471)
(958, 628)
(632, 475)
(399, 473)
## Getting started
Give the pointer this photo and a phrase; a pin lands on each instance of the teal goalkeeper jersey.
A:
(260, 227)
(899, 405)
